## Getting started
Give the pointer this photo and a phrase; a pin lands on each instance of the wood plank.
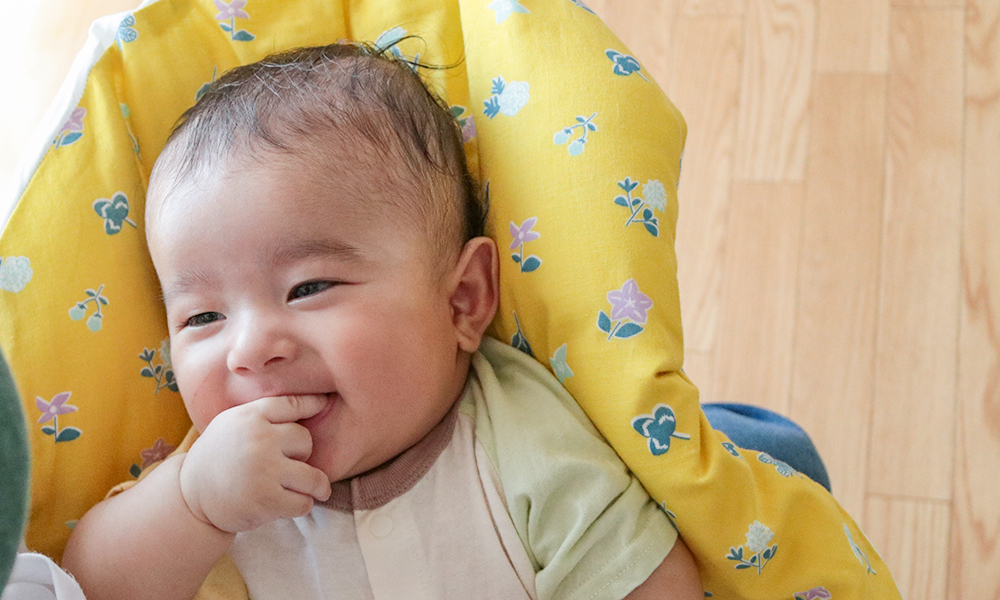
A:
(711, 8)
(911, 535)
(754, 349)
(975, 536)
(777, 71)
(912, 422)
(836, 317)
(853, 35)
(928, 3)
(706, 89)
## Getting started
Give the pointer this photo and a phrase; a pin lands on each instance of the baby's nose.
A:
(259, 345)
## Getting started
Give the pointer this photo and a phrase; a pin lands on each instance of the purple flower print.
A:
(58, 406)
(817, 592)
(75, 120)
(72, 129)
(522, 234)
(160, 450)
(629, 309)
(629, 303)
(468, 129)
(465, 122)
(231, 10)
(51, 411)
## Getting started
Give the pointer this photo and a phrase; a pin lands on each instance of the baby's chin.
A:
(341, 468)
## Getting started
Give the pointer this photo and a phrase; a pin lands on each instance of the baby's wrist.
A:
(184, 487)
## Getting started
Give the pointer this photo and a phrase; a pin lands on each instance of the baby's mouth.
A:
(331, 399)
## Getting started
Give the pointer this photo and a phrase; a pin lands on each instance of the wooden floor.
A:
(839, 238)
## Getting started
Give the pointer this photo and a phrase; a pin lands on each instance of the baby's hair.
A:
(315, 104)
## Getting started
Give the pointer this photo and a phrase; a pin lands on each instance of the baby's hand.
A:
(248, 467)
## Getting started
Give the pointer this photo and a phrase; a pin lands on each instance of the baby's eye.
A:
(202, 319)
(308, 289)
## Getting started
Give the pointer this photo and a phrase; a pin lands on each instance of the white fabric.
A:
(408, 548)
(37, 577)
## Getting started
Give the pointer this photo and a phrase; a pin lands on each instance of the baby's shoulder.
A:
(525, 419)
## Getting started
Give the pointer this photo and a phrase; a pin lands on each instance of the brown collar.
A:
(376, 487)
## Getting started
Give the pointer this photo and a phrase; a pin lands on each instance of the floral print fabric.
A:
(559, 126)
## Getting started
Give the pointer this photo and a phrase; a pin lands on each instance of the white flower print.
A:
(15, 273)
(758, 536)
(655, 194)
(514, 97)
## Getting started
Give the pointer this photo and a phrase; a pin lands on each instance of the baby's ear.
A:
(475, 292)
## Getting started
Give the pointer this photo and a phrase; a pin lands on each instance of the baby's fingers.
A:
(305, 479)
(296, 441)
(288, 409)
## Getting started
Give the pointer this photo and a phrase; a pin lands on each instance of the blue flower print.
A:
(15, 273)
(505, 8)
(163, 373)
(655, 199)
(519, 341)
(507, 98)
(389, 40)
(781, 467)
(658, 428)
(114, 212)
(577, 146)
(79, 310)
(625, 65)
(858, 552)
(580, 4)
(126, 31)
(670, 514)
(126, 113)
(559, 366)
(731, 448)
(205, 87)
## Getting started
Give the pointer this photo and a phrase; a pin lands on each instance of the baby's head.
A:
(316, 230)
(348, 111)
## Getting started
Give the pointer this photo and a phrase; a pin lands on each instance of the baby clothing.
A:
(514, 494)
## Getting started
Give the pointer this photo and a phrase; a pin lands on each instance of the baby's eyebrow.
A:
(288, 253)
(185, 282)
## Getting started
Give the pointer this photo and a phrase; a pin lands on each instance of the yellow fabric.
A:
(581, 152)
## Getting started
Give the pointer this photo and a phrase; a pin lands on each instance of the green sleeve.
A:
(588, 525)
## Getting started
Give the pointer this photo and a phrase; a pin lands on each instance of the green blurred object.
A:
(13, 471)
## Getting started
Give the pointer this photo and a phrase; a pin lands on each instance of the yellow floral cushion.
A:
(581, 153)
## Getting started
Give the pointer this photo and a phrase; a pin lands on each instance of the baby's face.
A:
(279, 282)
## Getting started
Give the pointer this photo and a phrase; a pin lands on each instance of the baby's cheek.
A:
(202, 401)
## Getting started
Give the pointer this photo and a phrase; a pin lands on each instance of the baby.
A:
(318, 240)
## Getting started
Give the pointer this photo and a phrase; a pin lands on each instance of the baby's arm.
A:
(675, 579)
(160, 538)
